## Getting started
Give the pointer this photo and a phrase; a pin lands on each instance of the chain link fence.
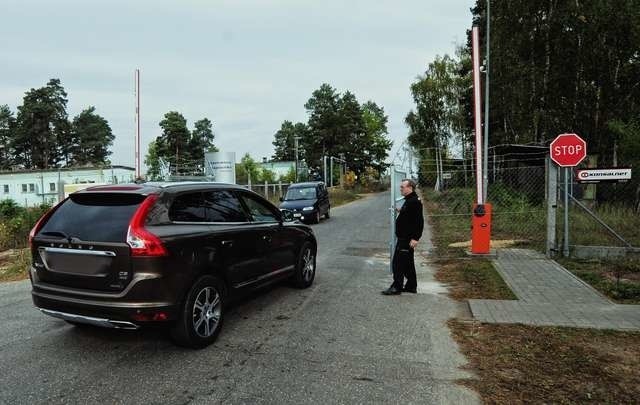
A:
(603, 215)
(517, 194)
(600, 215)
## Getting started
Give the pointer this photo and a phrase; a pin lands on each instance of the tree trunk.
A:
(547, 66)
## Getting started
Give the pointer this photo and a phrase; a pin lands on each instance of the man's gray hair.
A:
(411, 183)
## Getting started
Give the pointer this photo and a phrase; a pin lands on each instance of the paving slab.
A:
(549, 294)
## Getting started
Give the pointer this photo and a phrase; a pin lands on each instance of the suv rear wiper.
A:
(71, 239)
(55, 233)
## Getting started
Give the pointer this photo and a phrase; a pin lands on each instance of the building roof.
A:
(65, 169)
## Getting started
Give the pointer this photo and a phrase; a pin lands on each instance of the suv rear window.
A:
(94, 217)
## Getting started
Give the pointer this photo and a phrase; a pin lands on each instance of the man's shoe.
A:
(392, 291)
(410, 290)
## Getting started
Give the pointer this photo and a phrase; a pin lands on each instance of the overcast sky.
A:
(245, 64)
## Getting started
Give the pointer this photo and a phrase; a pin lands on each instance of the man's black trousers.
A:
(404, 266)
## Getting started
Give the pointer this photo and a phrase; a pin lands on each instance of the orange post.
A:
(481, 229)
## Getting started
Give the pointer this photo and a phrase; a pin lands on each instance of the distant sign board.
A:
(596, 175)
(221, 166)
(447, 175)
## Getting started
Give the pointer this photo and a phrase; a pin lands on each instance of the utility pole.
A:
(485, 163)
(295, 140)
(137, 139)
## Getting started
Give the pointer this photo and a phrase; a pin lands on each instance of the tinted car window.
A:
(188, 208)
(223, 206)
(259, 211)
(301, 193)
(93, 217)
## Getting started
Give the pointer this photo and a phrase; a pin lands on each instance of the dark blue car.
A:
(307, 201)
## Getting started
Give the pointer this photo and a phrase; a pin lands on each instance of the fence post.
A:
(392, 216)
(552, 206)
(266, 190)
(280, 187)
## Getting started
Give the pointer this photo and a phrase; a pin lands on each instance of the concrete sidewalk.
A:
(548, 294)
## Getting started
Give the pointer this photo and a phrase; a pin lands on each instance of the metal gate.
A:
(590, 220)
(397, 174)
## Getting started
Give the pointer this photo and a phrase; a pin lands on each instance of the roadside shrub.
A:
(9, 209)
(15, 228)
(349, 179)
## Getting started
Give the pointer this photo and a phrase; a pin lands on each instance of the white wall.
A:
(33, 188)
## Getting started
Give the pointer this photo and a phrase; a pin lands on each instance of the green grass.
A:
(516, 216)
(474, 279)
(339, 196)
(584, 230)
(617, 279)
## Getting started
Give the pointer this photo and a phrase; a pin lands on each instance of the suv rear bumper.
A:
(89, 320)
(137, 304)
(132, 312)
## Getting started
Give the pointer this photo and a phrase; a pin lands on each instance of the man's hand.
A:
(413, 243)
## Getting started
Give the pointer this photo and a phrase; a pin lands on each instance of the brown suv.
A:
(124, 256)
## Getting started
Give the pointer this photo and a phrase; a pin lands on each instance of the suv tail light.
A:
(43, 220)
(141, 241)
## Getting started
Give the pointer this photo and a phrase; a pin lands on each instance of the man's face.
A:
(405, 188)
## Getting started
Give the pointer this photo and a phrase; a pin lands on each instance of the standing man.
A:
(409, 225)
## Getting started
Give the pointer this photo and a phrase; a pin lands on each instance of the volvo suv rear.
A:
(168, 253)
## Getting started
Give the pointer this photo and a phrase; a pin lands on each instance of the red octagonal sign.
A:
(568, 150)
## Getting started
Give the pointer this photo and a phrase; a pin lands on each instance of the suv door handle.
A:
(227, 243)
(266, 238)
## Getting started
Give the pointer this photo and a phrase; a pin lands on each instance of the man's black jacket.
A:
(410, 221)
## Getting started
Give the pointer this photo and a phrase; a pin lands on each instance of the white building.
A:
(30, 188)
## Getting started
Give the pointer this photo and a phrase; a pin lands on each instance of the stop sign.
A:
(568, 150)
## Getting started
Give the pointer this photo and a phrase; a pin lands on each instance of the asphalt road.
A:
(339, 341)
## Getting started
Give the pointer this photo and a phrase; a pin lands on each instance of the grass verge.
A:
(517, 364)
(14, 264)
(473, 279)
(467, 277)
(617, 279)
(524, 364)
(339, 196)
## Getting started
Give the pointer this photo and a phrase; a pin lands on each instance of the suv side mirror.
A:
(287, 215)
(281, 198)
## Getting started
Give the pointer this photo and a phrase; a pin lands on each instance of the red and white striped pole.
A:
(481, 218)
(477, 112)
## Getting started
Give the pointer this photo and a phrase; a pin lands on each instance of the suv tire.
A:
(316, 218)
(200, 318)
(305, 271)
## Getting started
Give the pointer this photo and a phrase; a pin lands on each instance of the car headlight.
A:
(307, 209)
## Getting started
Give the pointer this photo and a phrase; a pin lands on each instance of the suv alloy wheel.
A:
(201, 314)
